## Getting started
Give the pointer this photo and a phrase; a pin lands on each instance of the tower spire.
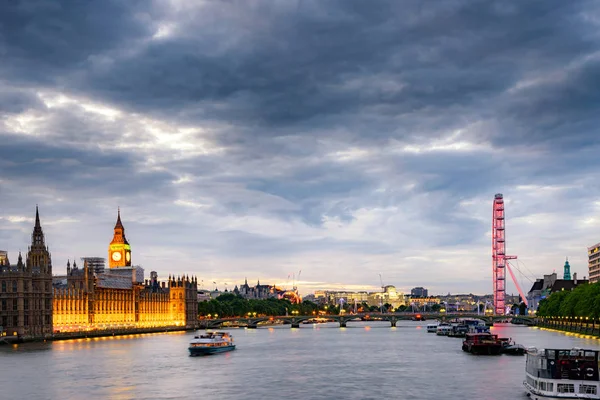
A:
(37, 217)
(119, 224)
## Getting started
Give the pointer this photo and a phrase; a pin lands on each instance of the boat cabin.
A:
(555, 372)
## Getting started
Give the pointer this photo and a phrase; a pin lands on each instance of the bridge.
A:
(343, 319)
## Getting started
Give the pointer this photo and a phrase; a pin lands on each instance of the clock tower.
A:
(119, 251)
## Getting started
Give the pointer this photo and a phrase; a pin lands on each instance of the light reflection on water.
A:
(366, 360)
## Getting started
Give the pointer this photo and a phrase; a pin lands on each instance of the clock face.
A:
(116, 256)
(128, 256)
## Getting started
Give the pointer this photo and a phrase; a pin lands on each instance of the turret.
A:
(567, 270)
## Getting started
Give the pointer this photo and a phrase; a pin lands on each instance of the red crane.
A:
(499, 258)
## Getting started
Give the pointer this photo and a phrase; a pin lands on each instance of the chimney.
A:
(575, 278)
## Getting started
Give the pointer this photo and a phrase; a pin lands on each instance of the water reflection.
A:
(364, 360)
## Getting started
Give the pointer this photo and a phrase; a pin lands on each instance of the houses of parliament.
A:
(36, 304)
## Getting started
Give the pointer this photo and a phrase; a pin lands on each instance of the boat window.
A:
(551, 354)
(587, 389)
(542, 385)
(549, 387)
(590, 355)
(565, 388)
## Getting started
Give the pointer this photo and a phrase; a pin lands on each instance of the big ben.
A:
(119, 251)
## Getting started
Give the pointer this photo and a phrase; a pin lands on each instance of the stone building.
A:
(120, 297)
(87, 298)
(26, 289)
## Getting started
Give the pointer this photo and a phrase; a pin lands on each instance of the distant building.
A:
(542, 288)
(257, 292)
(594, 262)
(418, 292)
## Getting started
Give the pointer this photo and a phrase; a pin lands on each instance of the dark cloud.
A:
(286, 133)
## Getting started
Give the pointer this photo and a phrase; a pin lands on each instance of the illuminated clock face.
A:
(116, 256)
(128, 256)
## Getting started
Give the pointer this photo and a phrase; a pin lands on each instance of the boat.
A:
(562, 374)
(511, 348)
(418, 317)
(443, 329)
(482, 343)
(459, 331)
(432, 328)
(211, 343)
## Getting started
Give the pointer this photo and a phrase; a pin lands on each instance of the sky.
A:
(343, 139)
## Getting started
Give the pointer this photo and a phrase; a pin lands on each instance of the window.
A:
(565, 388)
(26, 304)
(549, 386)
(15, 320)
(587, 389)
(4, 305)
(4, 321)
(3, 286)
(14, 286)
(15, 304)
(26, 320)
(26, 286)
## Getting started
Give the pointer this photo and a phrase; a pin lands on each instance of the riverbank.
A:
(93, 334)
(581, 325)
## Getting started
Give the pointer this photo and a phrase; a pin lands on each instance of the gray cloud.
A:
(259, 137)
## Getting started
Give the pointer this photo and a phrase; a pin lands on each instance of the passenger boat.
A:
(443, 329)
(511, 348)
(459, 331)
(432, 328)
(211, 343)
(562, 374)
(482, 343)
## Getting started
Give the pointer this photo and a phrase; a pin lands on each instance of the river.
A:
(364, 361)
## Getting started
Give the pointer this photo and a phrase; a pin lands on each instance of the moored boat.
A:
(459, 331)
(511, 348)
(482, 343)
(562, 374)
(432, 328)
(443, 329)
(211, 343)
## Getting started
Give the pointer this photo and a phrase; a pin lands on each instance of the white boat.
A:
(444, 330)
(562, 374)
(211, 343)
(432, 328)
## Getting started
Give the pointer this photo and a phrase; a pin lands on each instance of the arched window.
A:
(180, 295)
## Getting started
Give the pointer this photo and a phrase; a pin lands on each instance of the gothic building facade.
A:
(26, 289)
(89, 299)
(120, 297)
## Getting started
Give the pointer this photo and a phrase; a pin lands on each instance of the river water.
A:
(364, 361)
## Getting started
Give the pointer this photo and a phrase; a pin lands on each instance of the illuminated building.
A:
(594, 262)
(120, 297)
(34, 305)
(119, 251)
(26, 289)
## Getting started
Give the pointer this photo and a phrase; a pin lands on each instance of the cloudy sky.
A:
(345, 139)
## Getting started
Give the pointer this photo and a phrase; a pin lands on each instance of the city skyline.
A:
(340, 139)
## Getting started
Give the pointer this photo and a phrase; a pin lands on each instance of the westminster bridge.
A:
(343, 319)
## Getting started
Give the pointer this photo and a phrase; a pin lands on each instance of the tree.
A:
(436, 308)
(522, 309)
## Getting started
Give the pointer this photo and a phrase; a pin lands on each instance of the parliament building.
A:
(34, 303)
